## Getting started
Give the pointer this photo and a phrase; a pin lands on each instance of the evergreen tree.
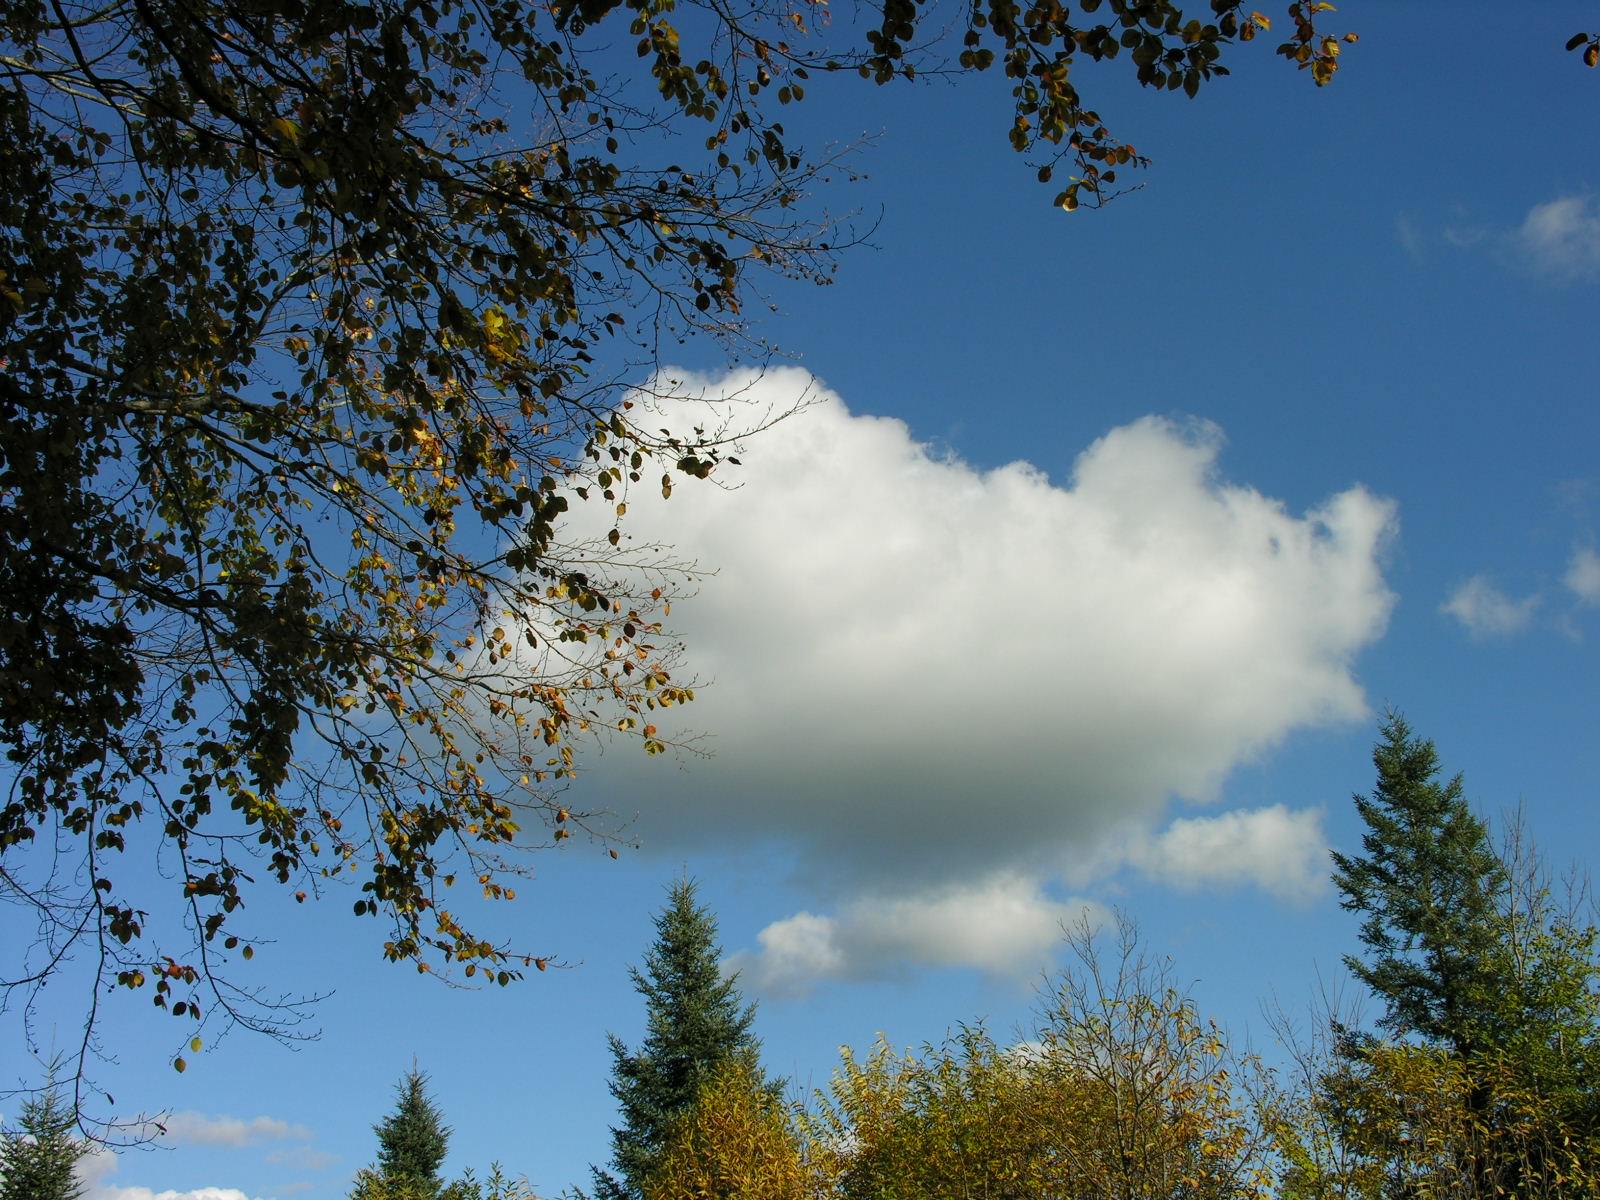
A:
(1472, 958)
(38, 1155)
(1430, 887)
(412, 1140)
(697, 1024)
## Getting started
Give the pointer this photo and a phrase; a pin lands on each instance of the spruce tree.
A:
(1430, 887)
(696, 1023)
(413, 1139)
(38, 1155)
(1471, 957)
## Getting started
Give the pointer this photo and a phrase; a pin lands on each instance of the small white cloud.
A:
(1561, 239)
(1005, 926)
(1583, 575)
(795, 952)
(1485, 611)
(95, 1169)
(1281, 851)
(202, 1129)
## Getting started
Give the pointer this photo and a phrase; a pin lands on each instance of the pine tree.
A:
(697, 1023)
(412, 1140)
(1498, 983)
(38, 1155)
(1430, 887)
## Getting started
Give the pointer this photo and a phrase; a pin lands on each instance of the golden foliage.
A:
(737, 1142)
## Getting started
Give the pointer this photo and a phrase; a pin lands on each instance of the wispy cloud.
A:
(204, 1129)
(1485, 611)
(1464, 236)
(1410, 237)
(1560, 239)
(307, 1158)
(1583, 575)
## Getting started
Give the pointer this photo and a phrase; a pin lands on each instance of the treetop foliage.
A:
(1123, 1088)
(1428, 887)
(697, 1027)
(39, 1154)
(1491, 990)
(413, 1140)
(737, 1138)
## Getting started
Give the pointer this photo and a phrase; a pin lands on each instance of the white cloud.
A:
(1485, 611)
(1283, 852)
(1583, 575)
(1006, 925)
(95, 1169)
(1561, 239)
(936, 687)
(924, 673)
(202, 1129)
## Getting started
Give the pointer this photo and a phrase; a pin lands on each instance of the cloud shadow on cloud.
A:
(921, 678)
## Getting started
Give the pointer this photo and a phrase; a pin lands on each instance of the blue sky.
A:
(1085, 579)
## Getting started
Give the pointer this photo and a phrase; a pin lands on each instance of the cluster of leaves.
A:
(1590, 44)
(736, 1138)
(1122, 1091)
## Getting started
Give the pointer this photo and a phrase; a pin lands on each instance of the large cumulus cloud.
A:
(922, 674)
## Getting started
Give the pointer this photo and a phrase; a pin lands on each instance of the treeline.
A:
(1480, 1077)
